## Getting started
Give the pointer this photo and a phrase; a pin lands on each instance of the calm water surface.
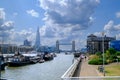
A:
(50, 70)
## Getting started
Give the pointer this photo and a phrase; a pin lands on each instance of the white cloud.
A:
(6, 30)
(117, 27)
(64, 19)
(6, 27)
(2, 15)
(33, 13)
(110, 26)
(73, 12)
(118, 36)
(118, 14)
(8, 34)
(15, 14)
(112, 29)
(98, 33)
(19, 37)
(107, 33)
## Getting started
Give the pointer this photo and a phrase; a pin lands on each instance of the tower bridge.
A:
(63, 43)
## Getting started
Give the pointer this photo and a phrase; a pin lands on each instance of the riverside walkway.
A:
(81, 70)
(88, 70)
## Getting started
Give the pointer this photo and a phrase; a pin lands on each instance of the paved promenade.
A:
(88, 70)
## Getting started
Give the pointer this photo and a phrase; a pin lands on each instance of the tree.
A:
(107, 54)
(112, 51)
(118, 53)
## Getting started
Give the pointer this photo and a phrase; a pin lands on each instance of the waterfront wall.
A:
(72, 70)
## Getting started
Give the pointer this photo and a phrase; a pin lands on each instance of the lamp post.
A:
(103, 54)
(93, 47)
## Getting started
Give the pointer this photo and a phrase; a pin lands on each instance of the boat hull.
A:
(48, 58)
(17, 64)
(77, 54)
(3, 66)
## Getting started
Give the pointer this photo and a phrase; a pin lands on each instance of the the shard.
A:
(37, 41)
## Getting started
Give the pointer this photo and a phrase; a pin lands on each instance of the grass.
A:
(113, 69)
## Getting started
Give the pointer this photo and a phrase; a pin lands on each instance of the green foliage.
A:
(98, 53)
(110, 56)
(118, 59)
(112, 51)
(107, 54)
(98, 61)
(118, 53)
(93, 57)
(93, 61)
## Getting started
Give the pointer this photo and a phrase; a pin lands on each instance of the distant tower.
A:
(57, 46)
(27, 43)
(73, 46)
(37, 41)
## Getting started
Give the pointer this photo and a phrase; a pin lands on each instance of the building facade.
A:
(95, 43)
(27, 43)
(115, 44)
(8, 48)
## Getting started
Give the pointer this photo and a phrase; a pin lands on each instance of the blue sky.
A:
(63, 20)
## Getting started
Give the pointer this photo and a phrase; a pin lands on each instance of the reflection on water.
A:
(50, 70)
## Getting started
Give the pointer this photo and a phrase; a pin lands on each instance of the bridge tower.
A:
(73, 46)
(58, 43)
(57, 46)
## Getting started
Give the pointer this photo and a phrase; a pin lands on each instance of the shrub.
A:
(112, 51)
(118, 59)
(98, 53)
(98, 61)
(93, 61)
(93, 57)
(118, 53)
(109, 61)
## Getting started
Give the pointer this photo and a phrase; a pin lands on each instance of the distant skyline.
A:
(63, 20)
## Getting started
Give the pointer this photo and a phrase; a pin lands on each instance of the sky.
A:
(63, 20)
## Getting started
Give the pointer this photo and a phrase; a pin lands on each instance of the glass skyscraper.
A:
(37, 41)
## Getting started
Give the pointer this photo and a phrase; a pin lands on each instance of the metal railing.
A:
(92, 78)
(70, 72)
(68, 75)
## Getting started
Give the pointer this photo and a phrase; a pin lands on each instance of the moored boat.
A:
(2, 62)
(19, 60)
(34, 59)
(3, 79)
(47, 56)
(41, 61)
(2, 66)
(17, 63)
(77, 54)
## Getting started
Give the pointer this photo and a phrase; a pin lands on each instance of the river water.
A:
(50, 70)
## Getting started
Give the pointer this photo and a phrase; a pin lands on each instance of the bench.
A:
(101, 68)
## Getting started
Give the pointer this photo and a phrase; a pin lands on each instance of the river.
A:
(50, 70)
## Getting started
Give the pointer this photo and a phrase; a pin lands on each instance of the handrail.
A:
(92, 78)
(71, 70)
